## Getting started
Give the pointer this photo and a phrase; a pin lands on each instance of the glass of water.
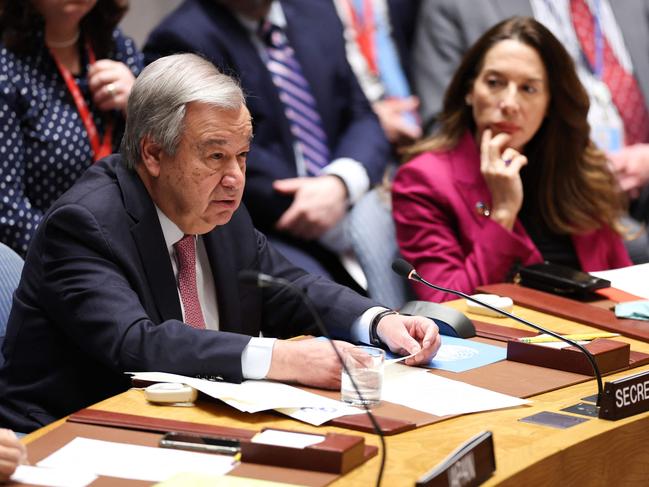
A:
(365, 365)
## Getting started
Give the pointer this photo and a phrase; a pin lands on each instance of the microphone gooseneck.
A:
(259, 279)
(407, 270)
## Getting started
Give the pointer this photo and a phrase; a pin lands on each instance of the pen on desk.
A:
(577, 337)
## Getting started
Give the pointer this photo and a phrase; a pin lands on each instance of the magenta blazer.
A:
(440, 230)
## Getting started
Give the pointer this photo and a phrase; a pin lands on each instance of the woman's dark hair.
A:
(22, 25)
(577, 192)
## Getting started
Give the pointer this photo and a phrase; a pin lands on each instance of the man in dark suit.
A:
(135, 267)
(302, 214)
(376, 44)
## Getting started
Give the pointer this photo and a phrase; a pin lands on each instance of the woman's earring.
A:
(467, 100)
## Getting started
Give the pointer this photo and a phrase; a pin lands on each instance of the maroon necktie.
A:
(624, 88)
(186, 257)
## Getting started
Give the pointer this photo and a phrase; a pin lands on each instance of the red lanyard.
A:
(365, 29)
(101, 148)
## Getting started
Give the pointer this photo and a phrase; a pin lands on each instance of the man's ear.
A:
(151, 153)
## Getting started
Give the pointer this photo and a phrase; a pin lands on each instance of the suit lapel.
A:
(246, 62)
(220, 253)
(240, 306)
(247, 65)
(467, 178)
(148, 237)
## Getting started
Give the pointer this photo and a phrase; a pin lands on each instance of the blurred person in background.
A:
(377, 46)
(511, 177)
(65, 75)
(318, 146)
(607, 41)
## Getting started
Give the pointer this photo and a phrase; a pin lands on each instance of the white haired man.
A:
(135, 267)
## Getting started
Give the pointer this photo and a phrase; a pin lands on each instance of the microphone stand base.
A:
(450, 321)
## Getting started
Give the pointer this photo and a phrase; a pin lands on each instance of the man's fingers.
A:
(295, 221)
(288, 219)
(408, 130)
(288, 186)
(405, 344)
(430, 333)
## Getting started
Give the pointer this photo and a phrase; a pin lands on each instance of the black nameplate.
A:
(468, 466)
(625, 397)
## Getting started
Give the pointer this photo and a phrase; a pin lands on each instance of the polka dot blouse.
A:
(44, 147)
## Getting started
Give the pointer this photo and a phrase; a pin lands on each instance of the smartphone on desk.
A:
(560, 279)
(198, 443)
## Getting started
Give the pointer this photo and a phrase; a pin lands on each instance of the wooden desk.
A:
(597, 452)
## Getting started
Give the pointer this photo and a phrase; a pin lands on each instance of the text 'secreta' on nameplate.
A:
(625, 397)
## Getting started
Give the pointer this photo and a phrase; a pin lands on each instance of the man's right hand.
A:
(391, 113)
(311, 362)
(631, 166)
(319, 203)
(12, 453)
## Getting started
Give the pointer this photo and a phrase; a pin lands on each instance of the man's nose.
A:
(234, 175)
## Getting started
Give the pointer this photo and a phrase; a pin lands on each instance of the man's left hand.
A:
(319, 203)
(631, 166)
(406, 335)
(392, 115)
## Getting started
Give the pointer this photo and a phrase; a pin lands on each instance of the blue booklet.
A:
(460, 354)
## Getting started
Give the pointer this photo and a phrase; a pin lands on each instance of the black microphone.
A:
(259, 279)
(407, 270)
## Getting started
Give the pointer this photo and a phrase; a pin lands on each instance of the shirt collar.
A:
(275, 16)
(172, 234)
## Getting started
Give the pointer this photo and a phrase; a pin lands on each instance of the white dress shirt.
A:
(257, 356)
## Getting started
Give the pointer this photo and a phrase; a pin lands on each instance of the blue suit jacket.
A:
(315, 32)
(98, 297)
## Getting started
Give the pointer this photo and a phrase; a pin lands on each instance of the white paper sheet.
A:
(320, 415)
(52, 477)
(287, 438)
(409, 386)
(421, 390)
(133, 461)
(253, 396)
(633, 279)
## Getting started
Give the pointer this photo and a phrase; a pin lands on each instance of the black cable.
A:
(264, 280)
(405, 269)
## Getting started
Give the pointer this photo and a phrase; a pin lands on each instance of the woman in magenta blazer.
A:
(511, 177)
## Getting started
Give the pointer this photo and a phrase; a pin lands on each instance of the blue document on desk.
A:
(460, 354)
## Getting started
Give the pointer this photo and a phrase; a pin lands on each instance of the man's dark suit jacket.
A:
(403, 17)
(315, 32)
(98, 297)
